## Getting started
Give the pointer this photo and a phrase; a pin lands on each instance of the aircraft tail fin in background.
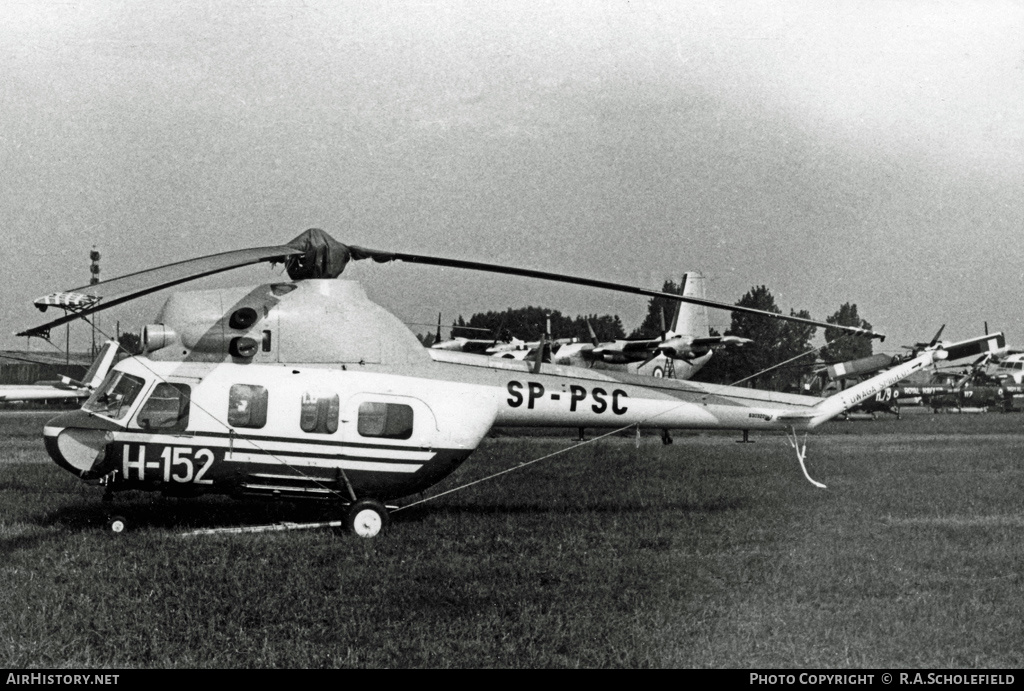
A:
(101, 365)
(691, 319)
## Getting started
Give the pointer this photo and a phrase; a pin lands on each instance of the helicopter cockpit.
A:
(165, 407)
(115, 396)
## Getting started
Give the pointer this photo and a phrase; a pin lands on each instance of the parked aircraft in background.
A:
(969, 388)
(66, 389)
(502, 345)
(680, 351)
(976, 389)
(1009, 367)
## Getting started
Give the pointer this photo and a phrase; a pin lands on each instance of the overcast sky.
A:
(867, 152)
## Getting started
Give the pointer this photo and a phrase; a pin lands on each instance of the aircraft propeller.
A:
(931, 344)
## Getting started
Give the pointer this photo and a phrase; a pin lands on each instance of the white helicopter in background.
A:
(1010, 366)
(305, 388)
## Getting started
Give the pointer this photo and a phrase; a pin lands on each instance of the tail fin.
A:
(101, 365)
(690, 319)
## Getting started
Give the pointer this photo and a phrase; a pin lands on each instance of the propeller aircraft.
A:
(679, 353)
(304, 388)
(469, 345)
(486, 346)
(509, 347)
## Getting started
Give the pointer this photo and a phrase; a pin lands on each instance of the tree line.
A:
(774, 341)
(528, 323)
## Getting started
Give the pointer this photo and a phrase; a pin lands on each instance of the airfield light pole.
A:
(94, 256)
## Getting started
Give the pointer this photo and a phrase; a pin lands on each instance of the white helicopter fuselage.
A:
(309, 389)
(317, 430)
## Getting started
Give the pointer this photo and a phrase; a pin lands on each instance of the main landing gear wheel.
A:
(117, 524)
(366, 518)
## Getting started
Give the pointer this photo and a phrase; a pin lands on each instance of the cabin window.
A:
(115, 395)
(386, 420)
(167, 408)
(247, 406)
(319, 413)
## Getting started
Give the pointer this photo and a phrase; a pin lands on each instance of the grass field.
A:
(705, 553)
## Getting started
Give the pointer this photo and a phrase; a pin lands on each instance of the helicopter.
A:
(306, 389)
(975, 390)
(934, 390)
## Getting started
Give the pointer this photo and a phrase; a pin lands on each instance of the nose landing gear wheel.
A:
(117, 524)
(366, 518)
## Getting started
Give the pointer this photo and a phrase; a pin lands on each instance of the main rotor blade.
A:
(107, 294)
(381, 256)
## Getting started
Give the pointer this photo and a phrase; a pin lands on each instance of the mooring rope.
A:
(516, 467)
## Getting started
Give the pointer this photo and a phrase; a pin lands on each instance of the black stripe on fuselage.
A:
(283, 440)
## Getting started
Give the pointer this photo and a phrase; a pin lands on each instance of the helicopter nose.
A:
(77, 442)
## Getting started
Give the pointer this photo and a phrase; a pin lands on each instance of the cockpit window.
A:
(167, 408)
(115, 396)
